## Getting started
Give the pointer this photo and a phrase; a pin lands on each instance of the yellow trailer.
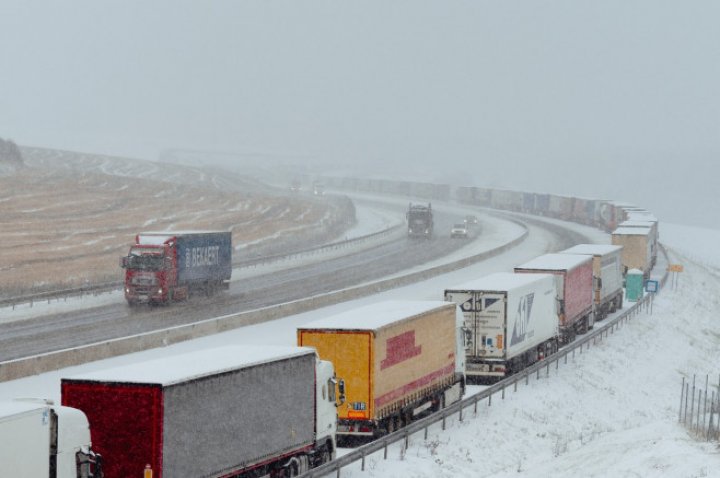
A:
(399, 360)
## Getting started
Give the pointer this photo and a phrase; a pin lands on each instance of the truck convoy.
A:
(42, 440)
(399, 359)
(607, 276)
(420, 220)
(574, 287)
(510, 321)
(162, 267)
(225, 412)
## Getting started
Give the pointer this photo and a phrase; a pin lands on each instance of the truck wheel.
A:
(325, 455)
(392, 424)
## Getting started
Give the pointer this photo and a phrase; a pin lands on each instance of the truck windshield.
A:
(149, 262)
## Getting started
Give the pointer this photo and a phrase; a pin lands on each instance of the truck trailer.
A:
(574, 290)
(420, 220)
(637, 245)
(225, 412)
(42, 440)
(399, 360)
(607, 276)
(646, 221)
(510, 321)
(162, 267)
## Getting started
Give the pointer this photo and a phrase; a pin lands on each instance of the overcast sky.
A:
(612, 98)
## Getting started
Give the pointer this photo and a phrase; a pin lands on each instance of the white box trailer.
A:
(607, 276)
(511, 321)
(41, 440)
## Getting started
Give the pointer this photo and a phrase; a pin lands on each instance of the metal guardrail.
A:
(95, 289)
(608, 328)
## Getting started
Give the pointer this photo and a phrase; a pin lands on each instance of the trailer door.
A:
(484, 314)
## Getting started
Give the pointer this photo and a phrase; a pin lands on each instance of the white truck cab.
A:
(41, 439)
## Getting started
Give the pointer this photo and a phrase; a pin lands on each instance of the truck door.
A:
(484, 315)
(490, 325)
(467, 303)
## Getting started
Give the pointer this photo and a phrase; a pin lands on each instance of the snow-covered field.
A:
(612, 411)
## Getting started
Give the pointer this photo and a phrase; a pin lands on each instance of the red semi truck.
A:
(574, 287)
(162, 267)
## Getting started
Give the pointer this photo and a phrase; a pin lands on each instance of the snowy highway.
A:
(260, 288)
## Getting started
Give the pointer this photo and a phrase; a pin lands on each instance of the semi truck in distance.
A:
(163, 267)
(42, 440)
(574, 288)
(234, 411)
(510, 320)
(420, 220)
(399, 360)
(607, 276)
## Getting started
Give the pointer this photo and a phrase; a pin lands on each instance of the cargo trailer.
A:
(645, 221)
(637, 245)
(162, 267)
(399, 360)
(607, 276)
(574, 290)
(228, 411)
(510, 321)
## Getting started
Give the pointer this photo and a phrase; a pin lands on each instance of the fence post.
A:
(682, 395)
(710, 422)
(692, 403)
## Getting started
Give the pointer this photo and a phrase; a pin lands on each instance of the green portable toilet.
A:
(634, 285)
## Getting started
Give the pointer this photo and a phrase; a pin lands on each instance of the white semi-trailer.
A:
(42, 440)
(511, 322)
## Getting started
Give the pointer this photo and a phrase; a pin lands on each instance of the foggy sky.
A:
(614, 99)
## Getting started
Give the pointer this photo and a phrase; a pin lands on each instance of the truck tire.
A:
(325, 455)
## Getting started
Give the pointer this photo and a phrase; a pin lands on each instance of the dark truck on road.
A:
(420, 220)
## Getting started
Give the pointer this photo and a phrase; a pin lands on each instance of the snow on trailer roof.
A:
(632, 231)
(377, 315)
(182, 367)
(641, 216)
(158, 238)
(638, 223)
(556, 262)
(500, 282)
(14, 407)
(592, 249)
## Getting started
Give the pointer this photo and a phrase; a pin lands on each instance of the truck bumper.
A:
(486, 369)
(356, 428)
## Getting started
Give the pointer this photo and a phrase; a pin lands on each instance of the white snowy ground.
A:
(612, 411)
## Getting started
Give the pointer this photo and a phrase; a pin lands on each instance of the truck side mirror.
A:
(123, 262)
(341, 390)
